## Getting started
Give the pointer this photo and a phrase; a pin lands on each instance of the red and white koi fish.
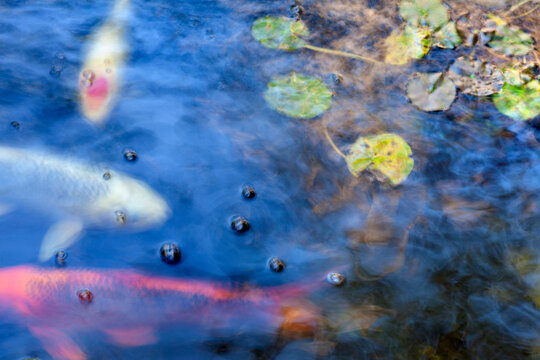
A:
(100, 75)
(128, 307)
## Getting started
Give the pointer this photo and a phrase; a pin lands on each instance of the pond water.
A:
(432, 266)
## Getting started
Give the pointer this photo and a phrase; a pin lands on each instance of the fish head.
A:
(132, 203)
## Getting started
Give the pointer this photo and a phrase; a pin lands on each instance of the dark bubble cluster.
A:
(130, 155)
(170, 253)
(85, 296)
(60, 258)
(276, 264)
(239, 224)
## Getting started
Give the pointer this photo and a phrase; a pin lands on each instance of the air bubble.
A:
(15, 125)
(130, 155)
(107, 175)
(239, 224)
(60, 258)
(276, 265)
(170, 253)
(85, 296)
(56, 69)
(335, 278)
(108, 70)
(60, 56)
(120, 217)
(248, 192)
(88, 75)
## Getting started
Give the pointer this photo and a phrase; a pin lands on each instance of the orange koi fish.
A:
(128, 307)
(100, 74)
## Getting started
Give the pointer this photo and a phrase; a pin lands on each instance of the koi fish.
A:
(76, 194)
(100, 74)
(128, 307)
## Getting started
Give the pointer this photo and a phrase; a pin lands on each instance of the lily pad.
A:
(387, 156)
(506, 39)
(519, 102)
(280, 32)
(411, 42)
(431, 91)
(418, 13)
(298, 96)
(447, 37)
(476, 77)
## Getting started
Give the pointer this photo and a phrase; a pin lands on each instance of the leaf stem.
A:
(341, 53)
(513, 8)
(525, 14)
(333, 144)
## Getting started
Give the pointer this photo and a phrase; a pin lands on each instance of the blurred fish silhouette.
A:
(76, 194)
(101, 72)
(130, 307)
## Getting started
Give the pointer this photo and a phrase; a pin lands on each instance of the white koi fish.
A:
(76, 194)
(100, 75)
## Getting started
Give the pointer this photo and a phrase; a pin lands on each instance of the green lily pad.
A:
(418, 13)
(447, 37)
(431, 91)
(476, 77)
(280, 32)
(506, 39)
(411, 42)
(519, 102)
(387, 156)
(298, 96)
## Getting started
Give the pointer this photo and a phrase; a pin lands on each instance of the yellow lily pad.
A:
(409, 43)
(387, 156)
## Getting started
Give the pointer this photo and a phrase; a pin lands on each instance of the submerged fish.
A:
(59, 304)
(100, 75)
(76, 194)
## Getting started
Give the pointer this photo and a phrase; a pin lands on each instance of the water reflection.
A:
(428, 264)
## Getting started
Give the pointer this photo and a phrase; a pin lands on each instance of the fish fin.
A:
(58, 344)
(5, 209)
(60, 236)
(136, 336)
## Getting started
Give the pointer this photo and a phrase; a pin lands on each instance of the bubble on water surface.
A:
(170, 253)
(120, 217)
(56, 69)
(85, 296)
(130, 155)
(15, 125)
(276, 265)
(88, 75)
(239, 224)
(248, 192)
(60, 258)
(335, 278)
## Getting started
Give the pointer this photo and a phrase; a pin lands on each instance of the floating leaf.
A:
(280, 32)
(519, 74)
(431, 92)
(387, 156)
(519, 102)
(411, 42)
(430, 13)
(298, 96)
(509, 40)
(476, 77)
(447, 37)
